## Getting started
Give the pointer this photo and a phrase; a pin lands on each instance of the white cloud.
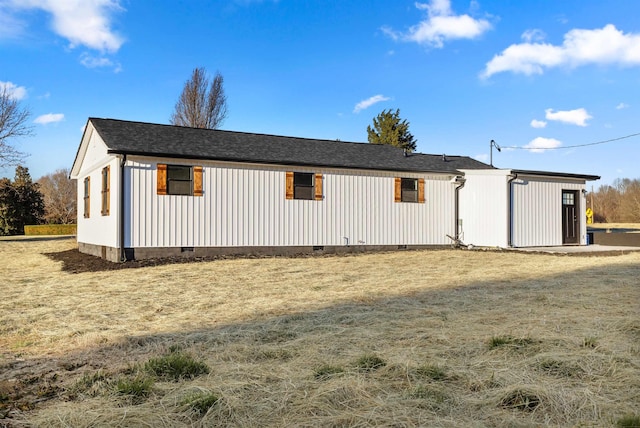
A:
(49, 118)
(91, 61)
(364, 104)
(81, 22)
(14, 91)
(534, 35)
(602, 46)
(622, 106)
(540, 144)
(482, 157)
(538, 123)
(440, 25)
(577, 117)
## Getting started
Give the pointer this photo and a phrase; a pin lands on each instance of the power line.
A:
(571, 147)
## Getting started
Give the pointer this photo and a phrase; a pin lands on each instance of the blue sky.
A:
(533, 75)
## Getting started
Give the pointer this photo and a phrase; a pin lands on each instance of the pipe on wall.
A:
(509, 209)
(123, 161)
(460, 181)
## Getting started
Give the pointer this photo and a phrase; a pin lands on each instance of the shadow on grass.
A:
(389, 325)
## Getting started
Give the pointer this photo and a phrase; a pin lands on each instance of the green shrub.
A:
(560, 368)
(326, 371)
(137, 388)
(370, 362)
(506, 340)
(90, 383)
(429, 392)
(176, 366)
(201, 402)
(432, 372)
(628, 421)
(273, 354)
(590, 342)
(51, 229)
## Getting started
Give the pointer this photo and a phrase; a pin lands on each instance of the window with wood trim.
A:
(87, 191)
(409, 190)
(179, 180)
(105, 191)
(304, 185)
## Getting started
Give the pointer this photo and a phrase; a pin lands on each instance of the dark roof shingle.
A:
(138, 138)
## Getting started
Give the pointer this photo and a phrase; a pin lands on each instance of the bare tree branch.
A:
(13, 124)
(59, 194)
(201, 105)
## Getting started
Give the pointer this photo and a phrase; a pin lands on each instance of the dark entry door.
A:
(570, 226)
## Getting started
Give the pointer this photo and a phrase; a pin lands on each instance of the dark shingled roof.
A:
(147, 139)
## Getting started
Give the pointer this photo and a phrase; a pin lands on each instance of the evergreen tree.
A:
(21, 203)
(388, 128)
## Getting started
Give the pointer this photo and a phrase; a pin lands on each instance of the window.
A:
(304, 185)
(105, 191)
(179, 180)
(87, 189)
(568, 198)
(409, 190)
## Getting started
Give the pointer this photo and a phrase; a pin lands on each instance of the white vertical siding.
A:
(245, 205)
(483, 208)
(537, 210)
(98, 229)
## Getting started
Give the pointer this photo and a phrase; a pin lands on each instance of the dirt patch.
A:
(73, 261)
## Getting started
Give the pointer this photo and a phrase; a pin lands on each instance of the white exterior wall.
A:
(98, 229)
(245, 205)
(483, 211)
(537, 210)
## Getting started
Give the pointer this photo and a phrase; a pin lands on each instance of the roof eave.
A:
(266, 162)
(556, 174)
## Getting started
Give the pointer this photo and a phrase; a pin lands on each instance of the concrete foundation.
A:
(112, 254)
(108, 253)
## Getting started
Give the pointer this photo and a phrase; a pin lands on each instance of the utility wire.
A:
(570, 147)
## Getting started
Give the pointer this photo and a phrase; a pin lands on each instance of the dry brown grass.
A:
(268, 329)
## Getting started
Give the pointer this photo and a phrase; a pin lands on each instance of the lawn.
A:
(411, 338)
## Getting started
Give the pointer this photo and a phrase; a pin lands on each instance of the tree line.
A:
(50, 200)
(617, 203)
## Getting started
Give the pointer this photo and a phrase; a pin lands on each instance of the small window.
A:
(568, 198)
(303, 185)
(409, 188)
(105, 190)
(87, 190)
(179, 180)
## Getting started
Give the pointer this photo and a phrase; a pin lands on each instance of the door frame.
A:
(570, 227)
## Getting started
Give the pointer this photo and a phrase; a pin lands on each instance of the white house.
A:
(148, 190)
(518, 208)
